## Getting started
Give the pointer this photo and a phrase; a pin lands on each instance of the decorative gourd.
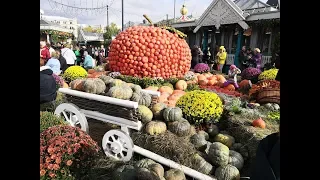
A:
(227, 172)
(178, 92)
(171, 103)
(65, 85)
(152, 88)
(94, 86)
(166, 89)
(172, 114)
(180, 128)
(168, 84)
(236, 146)
(224, 139)
(230, 87)
(162, 99)
(201, 165)
(192, 130)
(120, 92)
(218, 154)
(201, 77)
(213, 130)
(91, 71)
(203, 82)
(181, 85)
(204, 134)
(208, 147)
(146, 174)
(175, 97)
(142, 98)
(125, 172)
(259, 123)
(236, 159)
(174, 174)
(117, 82)
(144, 163)
(198, 141)
(155, 127)
(157, 110)
(212, 82)
(165, 94)
(77, 84)
(145, 113)
(221, 78)
(136, 88)
(106, 79)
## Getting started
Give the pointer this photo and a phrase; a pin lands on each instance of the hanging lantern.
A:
(247, 32)
(184, 10)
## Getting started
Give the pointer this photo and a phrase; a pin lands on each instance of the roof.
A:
(43, 22)
(90, 36)
(45, 25)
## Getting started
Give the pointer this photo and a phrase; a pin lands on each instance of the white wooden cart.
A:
(116, 143)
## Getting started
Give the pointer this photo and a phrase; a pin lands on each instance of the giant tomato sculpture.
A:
(147, 51)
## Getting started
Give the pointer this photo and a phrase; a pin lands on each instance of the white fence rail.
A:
(231, 57)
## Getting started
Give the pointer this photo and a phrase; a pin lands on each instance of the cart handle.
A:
(96, 97)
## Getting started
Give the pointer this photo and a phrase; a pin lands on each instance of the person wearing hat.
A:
(232, 74)
(221, 58)
(257, 58)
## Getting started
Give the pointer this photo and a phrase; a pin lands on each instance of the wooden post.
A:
(205, 40)
(238, 49)
(230, 40)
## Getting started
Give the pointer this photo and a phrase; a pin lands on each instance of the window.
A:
(70, 22)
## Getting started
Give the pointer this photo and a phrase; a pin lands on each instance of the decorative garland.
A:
(57, 35)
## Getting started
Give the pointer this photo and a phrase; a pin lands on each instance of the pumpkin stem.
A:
(168, 28)
(148, 19)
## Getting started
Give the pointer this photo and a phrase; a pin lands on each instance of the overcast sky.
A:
(133, 9)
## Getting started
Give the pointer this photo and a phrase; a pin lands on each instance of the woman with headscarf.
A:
(221, 58)
(257, 58)
(44, 51)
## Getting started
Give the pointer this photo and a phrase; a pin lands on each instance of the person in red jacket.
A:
(44, 51)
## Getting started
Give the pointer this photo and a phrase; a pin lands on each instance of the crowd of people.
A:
(61, 56)
(247, 57)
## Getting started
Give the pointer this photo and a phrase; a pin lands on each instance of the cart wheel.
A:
(73, 116)
(118, 144)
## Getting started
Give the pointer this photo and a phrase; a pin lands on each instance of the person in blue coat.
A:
(54, 63)
(88, 61)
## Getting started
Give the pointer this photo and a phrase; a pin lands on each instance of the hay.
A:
(167, 145)
(97, 129)
(239, 126)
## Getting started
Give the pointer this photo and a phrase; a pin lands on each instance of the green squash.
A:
(224, 139)
(120, 92)
(125, 172)
(227, 172)
(204, 134)
(157, 110)
(174, 174)
(168, 84)
(117, 82)
(144, 163)
(199, 141)
(236, 159)
(180, 128)
(155, 127)
(201, 165)
(136, 88)
(172, 114)
(213, 130)
(146, 174)
(106, 79)
(94, 86)
(142, 98)
(145, 113)
(218, 154)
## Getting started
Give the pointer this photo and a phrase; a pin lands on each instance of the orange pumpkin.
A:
(201, 77)
(178, 92)
(166, 89)
(77, 84)
(244, 84)
(220, 78)
(212, 82)
(207, 75)
(91, 71)
(175, 97)
(259, 123)
(230, 87)
(181, 85)
(212, 77)
(162, 99)
(203, 82)
(171, 103)
(152, 88)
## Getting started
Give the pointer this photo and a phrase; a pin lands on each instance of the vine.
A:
(57, 35)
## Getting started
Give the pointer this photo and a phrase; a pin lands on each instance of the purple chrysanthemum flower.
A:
(250, 73)
(201, 68)
(59, 80)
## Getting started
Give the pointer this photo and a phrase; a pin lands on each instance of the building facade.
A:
(67, 23)
(234, 24)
